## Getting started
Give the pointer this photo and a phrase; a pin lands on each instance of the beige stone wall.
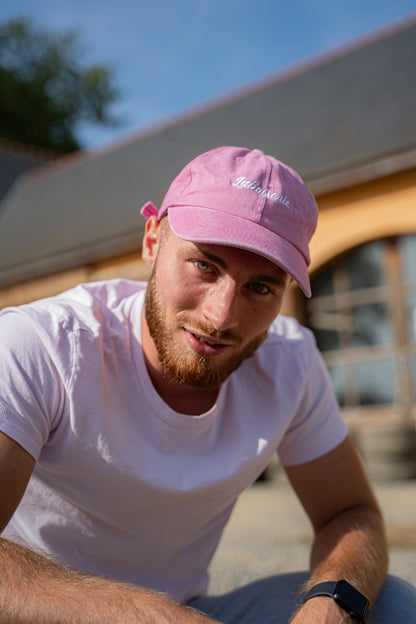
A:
(354, 216)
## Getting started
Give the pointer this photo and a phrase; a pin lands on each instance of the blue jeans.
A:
(273, 600)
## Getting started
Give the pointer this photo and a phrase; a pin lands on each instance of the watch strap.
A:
(322, 589)
(345, 595)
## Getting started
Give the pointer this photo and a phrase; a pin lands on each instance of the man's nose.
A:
(221, 305)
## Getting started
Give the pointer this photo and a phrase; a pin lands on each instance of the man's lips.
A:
(205, 345)
(209, 341)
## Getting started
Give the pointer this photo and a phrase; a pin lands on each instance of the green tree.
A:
(45, 90)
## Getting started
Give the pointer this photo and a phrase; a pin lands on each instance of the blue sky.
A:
(170, 56)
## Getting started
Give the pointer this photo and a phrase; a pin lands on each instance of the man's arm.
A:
(36, 590)
(349, 539)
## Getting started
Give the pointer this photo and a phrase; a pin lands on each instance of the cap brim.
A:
(204, 225)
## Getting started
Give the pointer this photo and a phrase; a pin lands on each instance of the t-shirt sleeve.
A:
(31, 389)
(317, 426)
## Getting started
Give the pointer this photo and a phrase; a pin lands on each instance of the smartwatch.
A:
(345, 595)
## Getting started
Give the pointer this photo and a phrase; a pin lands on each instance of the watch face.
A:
(351, 599)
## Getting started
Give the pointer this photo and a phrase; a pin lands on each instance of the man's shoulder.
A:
(85, 304)
(281, 366)
(288, 343)
(107, 292)
(288, 329)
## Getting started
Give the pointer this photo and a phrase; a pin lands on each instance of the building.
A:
(346, 121)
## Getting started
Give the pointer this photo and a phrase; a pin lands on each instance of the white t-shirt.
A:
(123, 485)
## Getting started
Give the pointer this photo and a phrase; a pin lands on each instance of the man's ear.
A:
(151, 241)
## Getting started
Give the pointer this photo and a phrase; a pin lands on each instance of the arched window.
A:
(363, 314)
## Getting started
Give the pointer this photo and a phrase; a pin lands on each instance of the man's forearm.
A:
(352, 546)
(36, 590)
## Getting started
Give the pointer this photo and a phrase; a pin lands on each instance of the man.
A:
(132, 419)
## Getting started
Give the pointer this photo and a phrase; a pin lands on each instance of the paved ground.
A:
(269, 533)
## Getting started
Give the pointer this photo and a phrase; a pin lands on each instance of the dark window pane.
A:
(413, 376)
(375, 382)
(371, 325)
(323, 283)
(325, 325)
(337, 377)
(326, 340)
(407, 246)
(365, 266)
(411, 318)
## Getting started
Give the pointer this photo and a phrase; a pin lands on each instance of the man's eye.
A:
(260, 288)
(202, 266)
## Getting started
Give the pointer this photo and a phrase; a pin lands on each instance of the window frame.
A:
(394, 294)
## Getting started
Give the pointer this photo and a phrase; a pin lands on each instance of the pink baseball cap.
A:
(247, 199)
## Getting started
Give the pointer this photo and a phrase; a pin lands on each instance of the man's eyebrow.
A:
(210, 256)
(261, 277)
